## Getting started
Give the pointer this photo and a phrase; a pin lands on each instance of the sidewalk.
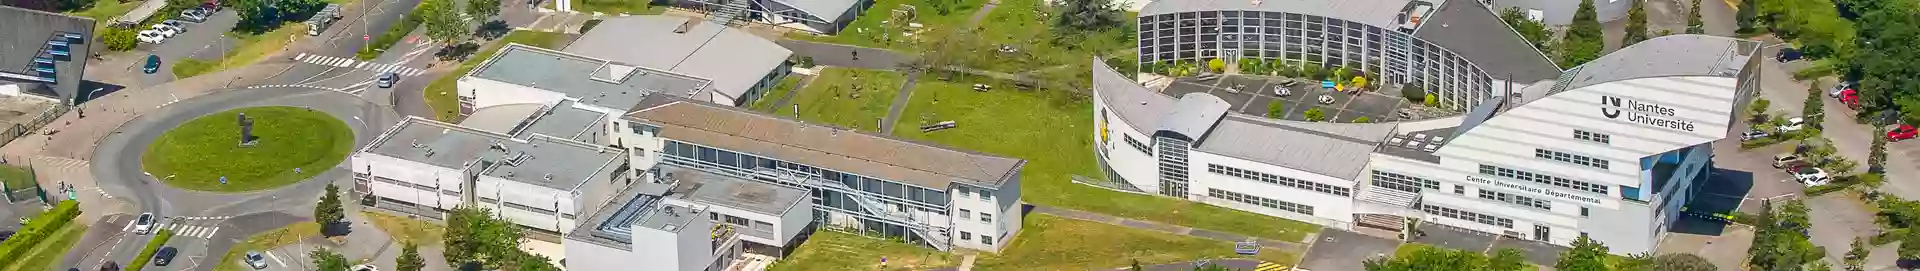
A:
(1156, 226)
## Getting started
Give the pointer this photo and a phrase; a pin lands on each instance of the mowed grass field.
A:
(198, 153)
(849, 98)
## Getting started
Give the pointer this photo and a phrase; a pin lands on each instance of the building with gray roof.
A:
(534, 180)
(1601, 150)
(1479, 36)
(741, 66)
(825, 17)
(43, 53)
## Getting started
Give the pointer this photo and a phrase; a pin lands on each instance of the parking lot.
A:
(1252, 94)
(1338, 250)
(206, 40)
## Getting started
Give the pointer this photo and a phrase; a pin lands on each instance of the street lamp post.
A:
(82, 110)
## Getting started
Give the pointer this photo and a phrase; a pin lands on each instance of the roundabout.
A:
(286, 145)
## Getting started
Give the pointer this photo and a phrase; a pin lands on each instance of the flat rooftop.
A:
(637, 207)
(734, 59)
(1478, 35)
(564, 120)
(878, 156)
(707, 188)
(543, 160)
(593, 81)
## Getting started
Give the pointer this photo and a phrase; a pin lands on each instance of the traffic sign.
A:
(1246, 247)
(366, 37)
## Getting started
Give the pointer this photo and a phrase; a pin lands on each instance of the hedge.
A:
(393, 35)
(146, 254)
(38, 229)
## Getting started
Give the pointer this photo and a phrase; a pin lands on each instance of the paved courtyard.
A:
(1252, 94)
(1338, 250)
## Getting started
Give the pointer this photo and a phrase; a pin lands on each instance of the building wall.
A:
(411, 182)
(1327, 209)
(1383, 53)
(774, 233)
(583, 255)
(1133, 164)
(530, 205)
(486, 93)
(988, 216)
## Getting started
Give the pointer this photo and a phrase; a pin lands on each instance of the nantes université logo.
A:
(1643, 113)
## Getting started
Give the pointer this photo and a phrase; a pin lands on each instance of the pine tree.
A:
(1694, 24)
(1636, 25)
(409, 259)
(1585, 255)
(1746, 16)
(1584, 40)
(329, 211)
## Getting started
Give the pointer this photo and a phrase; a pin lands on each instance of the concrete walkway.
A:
(795, 92)
(905, 96)
(1174, 229)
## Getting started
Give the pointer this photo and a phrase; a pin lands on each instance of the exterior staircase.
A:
(935, 236)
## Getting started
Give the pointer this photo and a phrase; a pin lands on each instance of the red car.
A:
(1851, 98)
(1901, 132)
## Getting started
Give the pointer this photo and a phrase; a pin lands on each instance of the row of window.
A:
(984, 216)
(1142, 147)
(1516, 199)
(1263, 202)
(1402, 182)
(1465, 215)
(1542, 179)
(984, 239)
(1280, 180)
(857, 182)
(1569, 158)
(736, 221)
(1592, 136)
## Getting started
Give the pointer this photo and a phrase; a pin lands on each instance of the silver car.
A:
(256, 260)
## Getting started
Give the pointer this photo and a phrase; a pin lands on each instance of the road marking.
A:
(210, 232)
(129, 226)
(276, 258)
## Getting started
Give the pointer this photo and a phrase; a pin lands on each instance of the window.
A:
(1142, 147)
(738, 220)
(966, 236)
(1280, 180)
(1402, 182)
(1570, 158)
(986, 218)
(1469, 216)
(1592, 136)
(1516, 199)
(964, 213)
(1542, 179)
(986, 195)
(1261, 201)
(1583, 211)
(1630, 193)
(986, 241)
(964, 191)
(1460, 189)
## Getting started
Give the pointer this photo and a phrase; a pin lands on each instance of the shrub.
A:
(584, 27)
(1759, 106)
(1362, 120)
(39, 228)
(1314, 114)
(1216, 65)
(119, 39)
(146, 254)
(1431, 100)
(1413, 93)
(1276, 109)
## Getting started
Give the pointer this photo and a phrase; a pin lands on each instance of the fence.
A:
(23, 193)
(23, 129)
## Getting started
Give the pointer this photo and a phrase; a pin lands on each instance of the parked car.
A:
(364, 267)
(143, 224)
(1787, 160)
(1901, 132)
(194, 15)
(5, 234)
(255, 260)
(164, 30)
(1754, 134)
(150, 36)
(1787, 54)
(110, 266)
(153, 64)
(182, 25)
(1835, 92)
(388, 79)
(1794, 124)
(211, 5)
(1810, 175)
(164, 256)
(1282, 90)
(1851, 98)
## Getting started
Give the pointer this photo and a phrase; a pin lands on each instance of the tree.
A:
(1431, 100)
(1877, 152)
(1082, 16)
(300, 7)
(327, 260)
(1636, 24)
(1429, 258)
(329, 212)
(1694, 24)
(484, 9)
(1759, 106)
(443, 21)
(1780, 238)
(1814, 106)
(1507, 259)
(1585, 255)
(1857, 256)
(1683, 262)
(1819, 266)
(1314, 114)
(1136, 266)
(1839, 165)
(533, 262)
(952, 47)
(475, 237)
(119, 39)
(1584, 40)
(1746, 16)
(942, 7)
(409, 259)
(1534, 32)
(1276, 109)
(1910, 246)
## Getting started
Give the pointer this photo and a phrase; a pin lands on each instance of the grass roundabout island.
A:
(289, 144)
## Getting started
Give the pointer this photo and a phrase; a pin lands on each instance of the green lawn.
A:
(16, 177)
(249, 49)
(198, 153)
(104, 11)
(405, 229)
(46, 254)
(1406, 249)
(444, 98)
(1046, 128)
(868, 31)
(1048, 242)
(831, 250)
(851, 98)
(261, 242)
(766, 102)
(612, 7)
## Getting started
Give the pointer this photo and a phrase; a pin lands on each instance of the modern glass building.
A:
(1377, 37)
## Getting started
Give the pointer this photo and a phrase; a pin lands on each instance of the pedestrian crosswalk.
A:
(358, 65)
(189, 230)
(1270, 266)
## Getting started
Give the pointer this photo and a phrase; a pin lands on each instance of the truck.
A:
(321, 20)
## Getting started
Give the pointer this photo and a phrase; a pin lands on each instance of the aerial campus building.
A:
(45, 53)
(816, 16)
(1610, 150)
(608, 154)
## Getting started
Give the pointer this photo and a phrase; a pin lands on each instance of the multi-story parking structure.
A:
(1417, 43)
(1609, 150)
(859, 182)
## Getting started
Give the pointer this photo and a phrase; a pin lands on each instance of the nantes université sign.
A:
(1643, 113)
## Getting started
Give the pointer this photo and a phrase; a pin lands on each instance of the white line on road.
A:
(276, 259)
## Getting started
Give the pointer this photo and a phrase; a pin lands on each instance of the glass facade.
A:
(1382, 53)
(883, 207)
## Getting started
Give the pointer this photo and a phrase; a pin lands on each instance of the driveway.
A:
(1338, 250)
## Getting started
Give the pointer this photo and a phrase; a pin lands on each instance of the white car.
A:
(143, 224)
(1794, 124)
(1326, 99)
(150, 36)
(1837, 89)
(176, 24)
(1811, 176)
(1282, 91)
(167, 30)
(364, 267)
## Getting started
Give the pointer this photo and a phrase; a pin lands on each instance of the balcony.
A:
(724, 238)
